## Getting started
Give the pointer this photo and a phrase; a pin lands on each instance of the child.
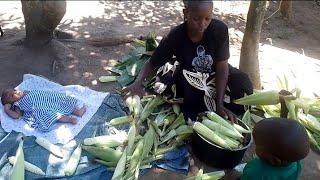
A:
(281, 144)
(204, 78)
(41, 109)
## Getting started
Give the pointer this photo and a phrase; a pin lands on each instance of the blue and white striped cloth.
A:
(41, 109)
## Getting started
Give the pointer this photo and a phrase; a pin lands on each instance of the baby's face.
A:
(14, 95)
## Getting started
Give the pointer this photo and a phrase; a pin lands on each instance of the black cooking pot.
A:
(217, 156)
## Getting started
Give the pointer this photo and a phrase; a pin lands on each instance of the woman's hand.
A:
(226, 114)
(135, 88)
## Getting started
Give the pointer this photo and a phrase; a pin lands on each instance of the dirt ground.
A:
(82, 64)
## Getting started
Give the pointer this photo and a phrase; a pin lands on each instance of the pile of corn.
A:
(221, 132)
(304, 110)
(155, 128)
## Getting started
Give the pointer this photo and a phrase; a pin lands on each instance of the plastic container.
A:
(217, 156)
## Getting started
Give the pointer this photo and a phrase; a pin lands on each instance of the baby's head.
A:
(280, 141)
(10, 96)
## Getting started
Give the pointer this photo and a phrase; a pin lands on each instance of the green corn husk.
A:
(171, 134)
(310, 122)
(108, 164)
(176, 123)
(150, 107)
(292, 114)
(103, 153)
(184, 129)
(148, 142)
(155, 127)
(211, 136)
(135, 159)
(182, 137)
(120, 168)
(209, 176)
(18, 165)
(313, 140)
(167, 121)
(176, 109)
(247, 119)
(260, 98)
(121, 120)
(131, 139)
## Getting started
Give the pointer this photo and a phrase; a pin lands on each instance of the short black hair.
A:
(284, 138)
(194, 3)
(4, 96)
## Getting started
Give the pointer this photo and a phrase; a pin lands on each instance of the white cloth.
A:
(61, 132)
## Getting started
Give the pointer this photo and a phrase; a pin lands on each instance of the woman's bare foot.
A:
(80, 112)
(68, 119)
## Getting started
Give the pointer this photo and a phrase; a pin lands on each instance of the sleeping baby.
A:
(41, 109)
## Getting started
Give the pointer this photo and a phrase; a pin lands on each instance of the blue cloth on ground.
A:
(175, 160)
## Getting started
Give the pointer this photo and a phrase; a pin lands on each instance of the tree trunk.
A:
(286, 9)
(249, 61)
(41, 18)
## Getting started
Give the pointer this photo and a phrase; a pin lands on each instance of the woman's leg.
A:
(68, 119)
(239, 85)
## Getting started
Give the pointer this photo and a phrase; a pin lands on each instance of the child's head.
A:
(198, 14)
(280, 141)
(10, 96)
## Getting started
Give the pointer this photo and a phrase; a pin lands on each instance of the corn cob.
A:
(73, 162)
(215, 117)
(150, 107)
(107, 140)
(106, 79)
(148, 142)
(247, 119)
(137, 107)
(56, 150)
(131, 139)
(167, 121)
(129, 103)
(28, 166)
(108, 164)
(260, 98)
(240, 128)
(176, 109)
(17, 172)
(292, 114)
(103, 153)
(120, 168)
(221, 129)
(176, 123)
(209, 135)
(232, 142)
(135, 158)
(121, 120)
(309, 121)
(312, 140)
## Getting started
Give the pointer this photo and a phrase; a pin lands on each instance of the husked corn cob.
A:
(121, 120)
(56, 150)
(28, 166)
(260, 98)
(150, 107)
(216, 118)
(240, 128)
(108, 164)
(129, 103)
(221, 129)
(120, 168)
(103, 153)
(106, 140)
(18, 164)
(106, 79)
(209, 135)
(73, 162)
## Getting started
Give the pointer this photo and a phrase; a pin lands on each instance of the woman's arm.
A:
(15, 114)
(222, 71)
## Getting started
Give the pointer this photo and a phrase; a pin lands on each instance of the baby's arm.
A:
(15, 114)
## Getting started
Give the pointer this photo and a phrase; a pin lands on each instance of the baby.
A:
(281, 144)
(41, 109)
